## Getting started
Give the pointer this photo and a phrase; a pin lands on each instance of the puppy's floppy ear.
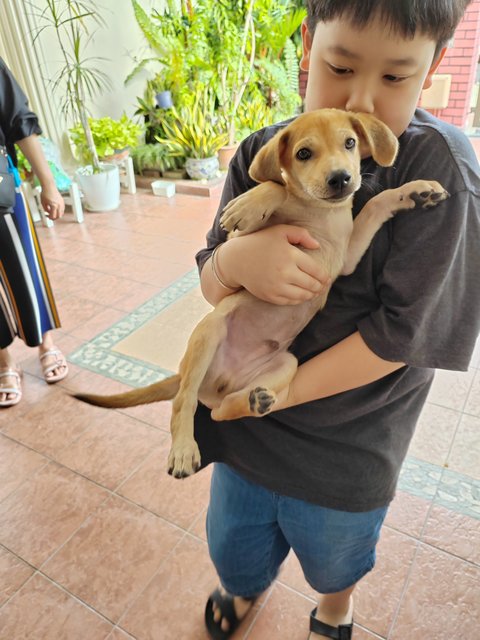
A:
(266, 164)
(376, 139)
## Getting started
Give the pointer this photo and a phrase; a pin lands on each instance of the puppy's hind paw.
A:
(261, 401)
(184, 460)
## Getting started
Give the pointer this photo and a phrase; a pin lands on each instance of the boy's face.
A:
(369, 69)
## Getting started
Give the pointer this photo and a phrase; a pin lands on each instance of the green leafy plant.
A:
(79, 78)
(234, 48)
(108, 135)
(195, 132)
(156, 156)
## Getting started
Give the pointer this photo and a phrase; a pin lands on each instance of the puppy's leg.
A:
(251, 210)
(184, 457)
(260, 396)
(421, 194)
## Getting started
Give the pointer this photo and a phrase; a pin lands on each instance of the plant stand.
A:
(126, 173)
(72, 198)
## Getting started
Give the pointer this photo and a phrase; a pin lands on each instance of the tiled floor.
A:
(97, 541)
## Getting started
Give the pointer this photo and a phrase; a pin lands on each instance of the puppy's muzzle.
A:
(340, 184)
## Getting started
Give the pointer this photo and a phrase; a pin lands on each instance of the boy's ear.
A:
(306, 46)
(428, 80)
(266, 164)
(376, 139)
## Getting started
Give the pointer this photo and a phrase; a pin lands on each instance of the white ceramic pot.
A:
(101, 190)
(202, 168)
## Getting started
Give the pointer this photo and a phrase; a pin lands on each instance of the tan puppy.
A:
(237, 358)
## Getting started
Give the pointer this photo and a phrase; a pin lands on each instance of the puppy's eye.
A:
(350, 143)
(303, 154)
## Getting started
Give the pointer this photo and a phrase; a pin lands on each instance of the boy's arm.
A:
(347, 365)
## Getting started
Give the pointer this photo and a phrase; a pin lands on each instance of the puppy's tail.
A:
(163, 390)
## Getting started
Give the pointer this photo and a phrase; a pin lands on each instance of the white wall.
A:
(116, 43)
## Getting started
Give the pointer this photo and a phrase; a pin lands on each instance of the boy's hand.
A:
(269, 265)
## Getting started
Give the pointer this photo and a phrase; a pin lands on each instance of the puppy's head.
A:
(318, 155)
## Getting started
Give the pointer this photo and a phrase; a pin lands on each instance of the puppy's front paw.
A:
(420, 194)
(184, 459)
(239, 216)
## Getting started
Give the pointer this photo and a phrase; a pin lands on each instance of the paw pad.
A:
(261, 400)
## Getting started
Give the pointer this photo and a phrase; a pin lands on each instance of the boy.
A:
(317, 474)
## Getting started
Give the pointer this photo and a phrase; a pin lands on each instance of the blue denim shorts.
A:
(250, 531)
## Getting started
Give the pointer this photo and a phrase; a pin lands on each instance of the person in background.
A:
(27, 305)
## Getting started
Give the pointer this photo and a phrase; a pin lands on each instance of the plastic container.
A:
(163, 188)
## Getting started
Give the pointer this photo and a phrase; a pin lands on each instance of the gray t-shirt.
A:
(414, 298)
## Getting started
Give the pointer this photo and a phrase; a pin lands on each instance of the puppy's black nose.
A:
(339, 180)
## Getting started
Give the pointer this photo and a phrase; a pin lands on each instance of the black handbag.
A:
(7, 184)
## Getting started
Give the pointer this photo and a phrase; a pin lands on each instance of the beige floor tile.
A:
(163, 340)
(43, 513)
(17, 463)
(41, 611)
(109, 450)
(52, 423)
(450, 388)
(172, 606)
(14, 572)
(407, 514)
(453, 532)
(178, 501)
(113, 556)
(441, 600)
(465, 454)
(378, 594)
(434, 434)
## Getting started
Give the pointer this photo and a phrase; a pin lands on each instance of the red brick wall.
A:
(460, 61)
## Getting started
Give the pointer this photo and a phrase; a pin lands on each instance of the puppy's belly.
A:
(256, 334)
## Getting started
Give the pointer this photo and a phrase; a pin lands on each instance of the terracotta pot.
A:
(225, 154)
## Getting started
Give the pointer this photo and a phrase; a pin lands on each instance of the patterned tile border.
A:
(98, 355)
(425, 480)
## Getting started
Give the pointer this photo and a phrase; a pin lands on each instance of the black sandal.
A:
(225, 603)
(342, 632)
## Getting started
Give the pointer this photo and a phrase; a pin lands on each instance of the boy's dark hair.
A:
(437, 19)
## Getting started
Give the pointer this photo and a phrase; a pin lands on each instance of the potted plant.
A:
(196, 133)
(112, 138)
(77, 80)
(156, 157)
